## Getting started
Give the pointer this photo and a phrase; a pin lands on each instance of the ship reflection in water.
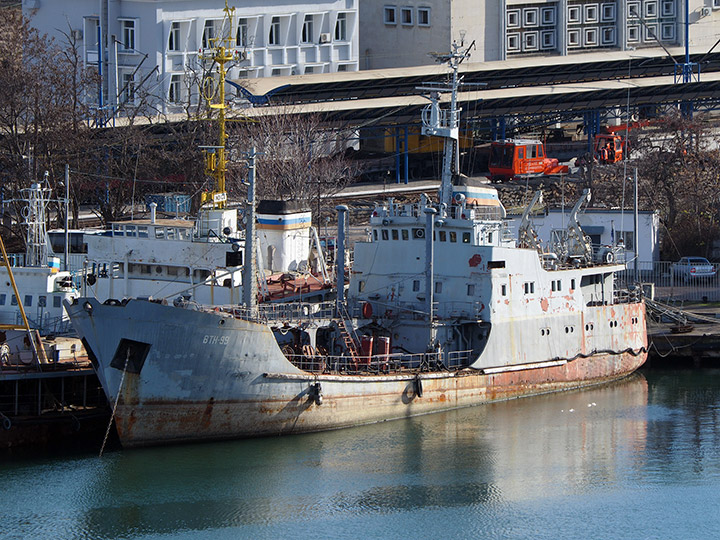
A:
(605, 462)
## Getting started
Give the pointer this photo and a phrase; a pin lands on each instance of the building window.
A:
(591, 37)
(174, 92)
(471, 289)
(307, 30)
(208, 36)
(530, 41)
(512, 19)
(548, 39)
(423, 16)
(633, 10)
(241, 38)
(390, 15)
(668, 32)
(573, 15)
(633, 34)
(547, 16)
(651, 10)
(650, 33)
(591, 13)
(573, 38)
(127, 31)
(503, 290)
(608, 35)
(127, 90)
(668, 8)
(530, 17)
(274, 35)
(608, 13)
(341, 27)
(406, 16)
(513, 42)
(174, 39)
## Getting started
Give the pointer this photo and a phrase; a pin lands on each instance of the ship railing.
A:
(286, 312)
(378, 364)
(418, 310)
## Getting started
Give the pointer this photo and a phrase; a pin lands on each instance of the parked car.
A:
(693, 267)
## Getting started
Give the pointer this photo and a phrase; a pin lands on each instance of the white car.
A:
(693, 267)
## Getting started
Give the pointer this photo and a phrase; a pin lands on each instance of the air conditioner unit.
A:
(325, 38)
(704, 12)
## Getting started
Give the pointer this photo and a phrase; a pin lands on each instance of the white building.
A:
(399, 34)
(153, 47)
(605, 227)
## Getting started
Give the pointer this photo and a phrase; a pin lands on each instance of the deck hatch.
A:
(134, 351)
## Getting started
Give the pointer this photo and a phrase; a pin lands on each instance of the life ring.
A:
(5, 354)
(6, 423)
(367, 310)
(609, 257)
(112, 302)
(306, 311)
(90, 279)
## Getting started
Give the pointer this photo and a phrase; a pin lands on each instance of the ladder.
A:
(347, 333)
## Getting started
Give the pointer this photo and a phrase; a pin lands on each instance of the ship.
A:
(441, 308)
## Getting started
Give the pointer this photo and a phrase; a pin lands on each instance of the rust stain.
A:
(544, 304)
(475, 260)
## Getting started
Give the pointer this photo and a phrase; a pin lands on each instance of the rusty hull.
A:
(352, 401)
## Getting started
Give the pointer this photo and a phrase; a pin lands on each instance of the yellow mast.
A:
(34, 337)
(215, 162)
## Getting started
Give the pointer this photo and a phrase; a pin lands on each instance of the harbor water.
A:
(637, 459)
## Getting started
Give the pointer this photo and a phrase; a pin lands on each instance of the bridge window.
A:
(453, 236)
(3, 296)
(416, 285)
(395, 234)
(466, 238)
(423, 16)
(471, 289)
(384, 234)
(405, 234)
(443, 236)
(406, 16)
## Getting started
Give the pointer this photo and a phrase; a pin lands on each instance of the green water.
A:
(636, 459)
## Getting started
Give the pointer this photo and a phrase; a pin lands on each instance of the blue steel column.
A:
(397, 155)
(407, 155)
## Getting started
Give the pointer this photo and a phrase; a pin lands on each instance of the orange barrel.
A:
(366, 347)
(383, 352)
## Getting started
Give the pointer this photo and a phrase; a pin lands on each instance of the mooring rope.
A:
(117, 398)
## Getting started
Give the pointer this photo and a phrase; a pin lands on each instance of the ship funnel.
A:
(153, 212)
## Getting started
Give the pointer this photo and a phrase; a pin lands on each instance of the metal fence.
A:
(661, 282)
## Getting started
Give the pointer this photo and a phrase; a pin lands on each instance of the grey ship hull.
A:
(182, 375)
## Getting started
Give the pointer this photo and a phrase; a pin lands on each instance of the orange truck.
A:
(521, 158)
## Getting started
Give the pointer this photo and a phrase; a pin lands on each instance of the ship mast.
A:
(444, 122)
(221, 52)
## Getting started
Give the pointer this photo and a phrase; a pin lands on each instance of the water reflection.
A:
(482, 470)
